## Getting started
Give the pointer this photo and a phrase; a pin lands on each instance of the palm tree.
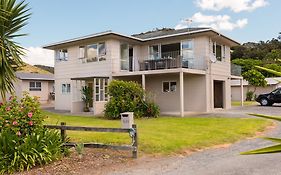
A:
(13, 17)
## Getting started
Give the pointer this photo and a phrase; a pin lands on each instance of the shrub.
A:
(249, 96)
(24, 142)
(128, 97)
(38, 148)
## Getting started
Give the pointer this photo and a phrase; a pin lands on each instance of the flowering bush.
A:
(24, 142)
(22, 117)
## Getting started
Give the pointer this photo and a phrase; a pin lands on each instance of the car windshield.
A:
(275, 91)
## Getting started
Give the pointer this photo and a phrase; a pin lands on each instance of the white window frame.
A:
(170, 82)
(37, 86)
(100, 56)
(159, 51)
(189, 49)
(61, 55)
(66, 89)
(103, 89)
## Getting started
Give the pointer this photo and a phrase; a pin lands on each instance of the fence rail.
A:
(131, 131)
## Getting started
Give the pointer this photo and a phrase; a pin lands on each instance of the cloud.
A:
(38, 55)
(218, 22)
(234, 5)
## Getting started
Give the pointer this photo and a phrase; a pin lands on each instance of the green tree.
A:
(247, 64)
(277, 147)
(13, 17)
(255, 78)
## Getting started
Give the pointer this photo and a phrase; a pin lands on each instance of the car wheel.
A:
(264, 102)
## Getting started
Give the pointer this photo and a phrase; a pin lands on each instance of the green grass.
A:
(246, 103)
(166, 135)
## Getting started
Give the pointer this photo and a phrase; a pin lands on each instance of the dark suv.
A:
(270, 98)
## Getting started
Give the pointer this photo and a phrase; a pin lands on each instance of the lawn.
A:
(166, 135)
(246, 103)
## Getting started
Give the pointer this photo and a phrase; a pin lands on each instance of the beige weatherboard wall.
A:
(187, 70)
(39, 85)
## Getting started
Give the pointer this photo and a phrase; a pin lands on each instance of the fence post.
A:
(135, 142)
(62, 131)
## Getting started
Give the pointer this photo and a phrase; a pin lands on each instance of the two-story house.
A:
(187, 70)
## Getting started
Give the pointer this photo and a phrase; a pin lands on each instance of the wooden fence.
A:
(131, 131)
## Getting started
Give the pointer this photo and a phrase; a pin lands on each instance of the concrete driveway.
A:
(220, 161)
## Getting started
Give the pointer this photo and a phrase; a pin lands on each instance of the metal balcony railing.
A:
(170, 60)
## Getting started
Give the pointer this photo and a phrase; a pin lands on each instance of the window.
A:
(34, 86)
(169, 86)
(218, 51)
(101, 93)
(65, 88)
(82, 52)
(94, 52)
(187, 49)
(154, 52)
(62, 55)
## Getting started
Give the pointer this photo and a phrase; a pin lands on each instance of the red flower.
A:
(8, 108)
(1, 103)
(15, 123)
(29, 114)
(30, 123)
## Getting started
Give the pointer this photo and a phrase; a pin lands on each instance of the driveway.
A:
(219, 161)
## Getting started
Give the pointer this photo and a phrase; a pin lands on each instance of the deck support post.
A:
(241, 92)
(181, 94)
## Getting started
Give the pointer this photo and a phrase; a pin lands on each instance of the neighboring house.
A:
(188, 69)
(272, 83)
(40, 85)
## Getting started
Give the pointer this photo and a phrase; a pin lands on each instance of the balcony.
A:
(170, 60)
(236, 70)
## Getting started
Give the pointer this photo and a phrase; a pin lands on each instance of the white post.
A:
(143, 81)
(181, 95)
(242, 92)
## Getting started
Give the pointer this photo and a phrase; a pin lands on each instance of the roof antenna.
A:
(188, 22)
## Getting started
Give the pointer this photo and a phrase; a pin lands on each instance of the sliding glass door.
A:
(124, 49)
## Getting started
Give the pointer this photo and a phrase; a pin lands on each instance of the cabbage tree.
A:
(13, 17)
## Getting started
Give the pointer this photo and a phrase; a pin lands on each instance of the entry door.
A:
(218, 94)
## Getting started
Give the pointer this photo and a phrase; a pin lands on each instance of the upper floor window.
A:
(65, 88)
(62, 55)
(94, 52)
(219, 51)
(34, 86)
(187, 49)
(154, 52)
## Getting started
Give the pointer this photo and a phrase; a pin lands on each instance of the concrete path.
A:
(220, 161)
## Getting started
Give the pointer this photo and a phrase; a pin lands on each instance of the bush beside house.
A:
(129, 97)
(24, 142)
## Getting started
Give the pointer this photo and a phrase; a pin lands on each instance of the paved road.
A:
(220, 161)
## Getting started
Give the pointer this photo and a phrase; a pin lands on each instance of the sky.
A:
(56, 20)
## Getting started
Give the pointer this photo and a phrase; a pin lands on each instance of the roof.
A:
(34, 76)
(142, 37)
(166, 32)
(270, 81)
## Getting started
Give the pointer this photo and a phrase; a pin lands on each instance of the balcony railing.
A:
(236, 70)
(170, 60)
